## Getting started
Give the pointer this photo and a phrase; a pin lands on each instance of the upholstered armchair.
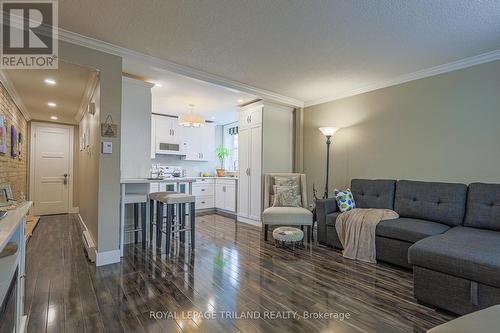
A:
(287, 216)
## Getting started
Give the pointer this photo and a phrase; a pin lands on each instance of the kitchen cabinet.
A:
(204, 193)
(169, 136)
(265, 145)
(250, 116)
(250, 164)
(199, 144)
(168, 128)
(191, 143)
(225, 194)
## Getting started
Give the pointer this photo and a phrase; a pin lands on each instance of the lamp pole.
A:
(328, 142)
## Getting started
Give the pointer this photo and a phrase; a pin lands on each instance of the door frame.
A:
(33, 125)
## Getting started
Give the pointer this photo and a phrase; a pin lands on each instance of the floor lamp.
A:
(328, 132)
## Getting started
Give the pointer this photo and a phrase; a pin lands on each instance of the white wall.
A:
(135, 128)
(108, 210)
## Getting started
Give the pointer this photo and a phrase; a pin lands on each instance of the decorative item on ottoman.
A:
(288, 235)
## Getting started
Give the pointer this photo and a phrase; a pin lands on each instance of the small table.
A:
(287, 235)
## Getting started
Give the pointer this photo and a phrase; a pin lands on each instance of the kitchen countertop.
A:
(215, 177)
(164, 180)
(9, 223)
(168, 180)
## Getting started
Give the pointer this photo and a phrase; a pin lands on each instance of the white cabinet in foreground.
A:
(225, 194)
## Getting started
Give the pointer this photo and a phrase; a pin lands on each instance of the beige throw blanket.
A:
(356, 231)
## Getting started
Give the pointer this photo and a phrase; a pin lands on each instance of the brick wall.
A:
(13, 170)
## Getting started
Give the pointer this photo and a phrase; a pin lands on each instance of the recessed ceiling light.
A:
(50, 82)
(52, 104)
(240, 101)
(53, 117)
(158, 85)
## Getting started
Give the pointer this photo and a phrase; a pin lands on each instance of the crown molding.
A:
(9, 86)
(88, 93)
(127, 54)
(449, 67)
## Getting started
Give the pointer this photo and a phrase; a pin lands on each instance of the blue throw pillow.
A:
(345, 200)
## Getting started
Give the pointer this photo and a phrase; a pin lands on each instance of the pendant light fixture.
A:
(191, 119)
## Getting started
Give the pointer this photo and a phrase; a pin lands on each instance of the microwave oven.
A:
(169, 148)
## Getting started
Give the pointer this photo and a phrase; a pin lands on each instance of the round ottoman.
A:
(287, 235)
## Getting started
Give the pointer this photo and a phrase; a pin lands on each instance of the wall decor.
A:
(3, 135)
(13, 141)
(19, 145)
(109, 129)
(6, 196)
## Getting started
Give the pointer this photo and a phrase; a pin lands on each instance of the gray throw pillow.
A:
(287, 181)
(286, 196)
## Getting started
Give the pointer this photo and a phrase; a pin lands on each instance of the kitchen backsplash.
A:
(192, 168)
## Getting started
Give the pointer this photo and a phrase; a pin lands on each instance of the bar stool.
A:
(173, 200)
(139, 201)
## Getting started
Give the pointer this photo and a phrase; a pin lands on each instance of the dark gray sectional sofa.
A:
(448, 233)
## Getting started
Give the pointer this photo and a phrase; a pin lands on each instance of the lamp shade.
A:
(191, 120)
(328, 131)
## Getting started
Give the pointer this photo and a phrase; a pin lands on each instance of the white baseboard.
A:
(249, 221)
(74, 210)
(107, 257)
(84, 227)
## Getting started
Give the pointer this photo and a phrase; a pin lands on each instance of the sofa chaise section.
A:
(425, 209)
(460, 270)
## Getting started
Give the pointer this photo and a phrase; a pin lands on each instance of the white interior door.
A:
(51, 166)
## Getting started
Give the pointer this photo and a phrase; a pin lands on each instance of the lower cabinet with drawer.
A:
(215, 193)
(204, 191)
(205, 202)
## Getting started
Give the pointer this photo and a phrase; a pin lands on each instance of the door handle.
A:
(223, 189)
(65, 179)
(248, 172)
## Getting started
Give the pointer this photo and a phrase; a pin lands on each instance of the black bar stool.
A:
(139, 202)
(169, 201)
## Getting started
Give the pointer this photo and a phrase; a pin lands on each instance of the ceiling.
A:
(71, 83)
(173, 93)
(307, 50)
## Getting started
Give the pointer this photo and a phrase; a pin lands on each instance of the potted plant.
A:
(222, 152)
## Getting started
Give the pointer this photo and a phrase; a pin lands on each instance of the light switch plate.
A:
(107, 147)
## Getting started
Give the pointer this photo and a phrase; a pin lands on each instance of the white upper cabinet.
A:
(169, 136)
(250, 116)
(199, 143)
(191, 143)
(167, 128)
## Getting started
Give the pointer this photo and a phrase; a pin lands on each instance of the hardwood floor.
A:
(231, 270)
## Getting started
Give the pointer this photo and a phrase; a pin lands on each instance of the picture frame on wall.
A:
(14, 143)
(20, 141)
(6, 196)
(3, 135)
